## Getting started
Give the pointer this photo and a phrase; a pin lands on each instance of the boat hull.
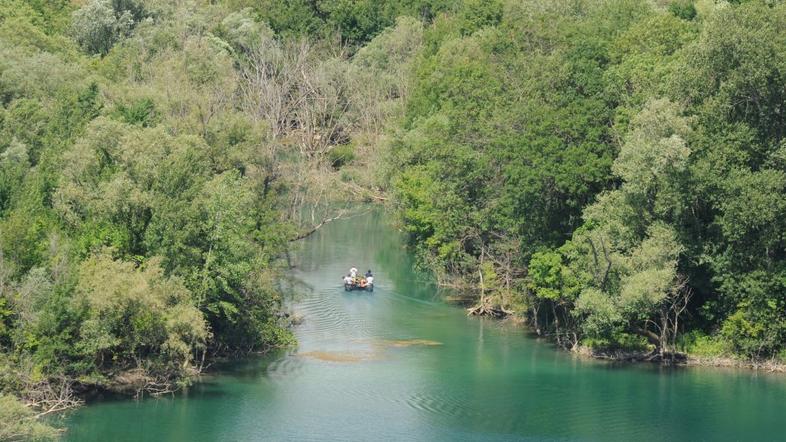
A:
(351, 287)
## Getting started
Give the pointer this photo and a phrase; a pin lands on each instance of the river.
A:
(400, 364)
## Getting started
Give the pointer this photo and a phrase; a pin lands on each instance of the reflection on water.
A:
(398, 364)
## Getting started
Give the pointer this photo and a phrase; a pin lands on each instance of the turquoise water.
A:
(399, 364)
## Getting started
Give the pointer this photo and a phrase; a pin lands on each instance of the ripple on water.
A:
(440, 403)
(585, 417)
(326, 320)
(286, 368)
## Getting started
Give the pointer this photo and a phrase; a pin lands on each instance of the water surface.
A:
(399, 364)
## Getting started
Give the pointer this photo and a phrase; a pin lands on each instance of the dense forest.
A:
(613, 172)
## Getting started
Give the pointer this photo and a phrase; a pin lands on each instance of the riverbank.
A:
(464, 293)
(623, 355)
(680, 359)
(726, 362)
(639, 357)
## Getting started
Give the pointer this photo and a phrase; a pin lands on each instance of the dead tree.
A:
(663, 329)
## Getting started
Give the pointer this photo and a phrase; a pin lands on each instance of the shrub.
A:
(699, 344)
(683, 9)
(341, 155)
(617, 341)
(18, 422)
(141, 113)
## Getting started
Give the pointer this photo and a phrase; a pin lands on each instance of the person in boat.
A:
(369, 277)
(348, 279)
(353, 272)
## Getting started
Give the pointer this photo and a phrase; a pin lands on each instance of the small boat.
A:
(359, 283)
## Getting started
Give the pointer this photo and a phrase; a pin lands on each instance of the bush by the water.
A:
(699, 344)
(18, 422)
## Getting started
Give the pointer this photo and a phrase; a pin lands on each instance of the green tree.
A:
(626, 257)
(136, 318)
(99, 24)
